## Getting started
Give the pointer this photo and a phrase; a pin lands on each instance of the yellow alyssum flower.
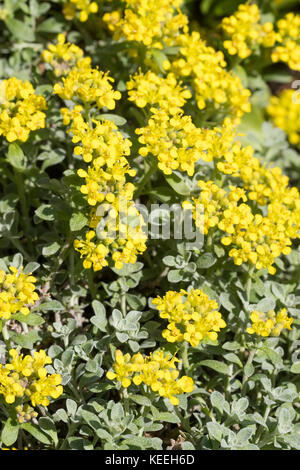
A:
(99, 142)
(288, 38)
(220, 209)
(63, 56)
(270, 323)
(118, 238)
(284, 110)
(17, 292)
(20, 110)
(254, 238)
(84, 7)
(157, 371)
(211, 82)
(26, 378)
(107, 192)
(106, 184)
(245, 32)
(94, 253)
(150, 22)
(192, 316)
(259, 242)
(102, 146)
(174, 140)
(90, 86)
(150, 89)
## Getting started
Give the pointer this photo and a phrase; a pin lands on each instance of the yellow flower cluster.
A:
(285, 112)
(26, 378)
(25, 413)
(159, 24)
(20, 110)
(150, 22)
(99, 142)
(108, 194)
(63, 56)
(119, 226)
(246, 33)
(157, 371)
(258, 240)
(256, 236)
(88, 85)
(212, 83)
(17, 292)
(192, 316)
(270, 323)
(219, 208)
(173, 139)
(288, 37)
(84, 7)
(150, 89)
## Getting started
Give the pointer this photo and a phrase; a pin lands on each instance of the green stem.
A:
(24, 208)
(245, 377)
(145, 178)
(19, 247)
(185, 357)
(123, 304)
(25, 327)
(209, 241)
(126, 401)
(62, 255)
(262, 429)
(249, 283)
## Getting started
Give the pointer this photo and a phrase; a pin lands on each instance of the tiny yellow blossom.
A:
(25, 378)
(83, 7)
(63, 56)
(21, 111)
(245, 33)
(284, 109)
(17, 292)
(157, 371)
(288, 41)
(88, 85)
(192, 316)
(270, 323)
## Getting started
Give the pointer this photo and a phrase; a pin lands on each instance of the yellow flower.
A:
(174, 140)
(212, 83)
(150, 22)
(285, 112)
(84, 7)
(150, 89)
(157, 371)
(192, 316)
(269, 324)
(25, 378)
(245, 32)
(20, 110)
(288, 48)
(17, 292)
(63, 56)
(88, 85)
(94, 253)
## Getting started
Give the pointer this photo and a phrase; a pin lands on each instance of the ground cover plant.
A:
(149, 225)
